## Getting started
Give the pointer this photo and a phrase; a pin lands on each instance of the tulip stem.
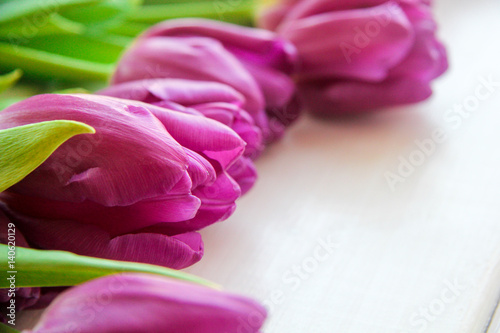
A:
(238, 11)
(14, 10)
(49, 65)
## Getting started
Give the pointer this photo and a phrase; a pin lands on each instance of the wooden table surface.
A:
(330, 245)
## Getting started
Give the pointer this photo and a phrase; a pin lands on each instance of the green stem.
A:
(237, 11)
(55, 24)
(14, 10)
(49, 65)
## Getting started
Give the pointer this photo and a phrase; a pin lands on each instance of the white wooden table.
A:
(422, 257)
(329, 246)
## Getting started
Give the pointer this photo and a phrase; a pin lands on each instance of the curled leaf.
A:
(24, 148)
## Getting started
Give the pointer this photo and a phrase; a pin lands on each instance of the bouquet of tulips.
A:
(106, 191)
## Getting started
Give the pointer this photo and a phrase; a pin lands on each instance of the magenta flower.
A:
(255, 62)
(211, 99)
(149, 303)
(136, 190)
(360, 55)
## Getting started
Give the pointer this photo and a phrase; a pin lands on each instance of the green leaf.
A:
(7, 329)
(89, 48)
(8, 80)
(6, 102)
(24, 148)
(41, 63)
(46, 268)
(53, 24)
(241, 12)
(72, 91)
(34, 10)
(105, 13)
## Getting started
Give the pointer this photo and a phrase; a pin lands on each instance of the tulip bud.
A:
(148, 303)
(357, 57)
(255, 62)
(210, 99)
(135, 190)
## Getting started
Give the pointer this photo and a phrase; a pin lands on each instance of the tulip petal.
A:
(152, 248)
(238, 120)
(361, 55)
(427, 60)
(269, 59)
(148, 303)
(200, 170)
(213, 139)
(184, 92)
(217, 204)
(257, 46)
(116, 220)
(101, 168)
(346, 97)
(244, 173)
(198, 58)
(353, 51)
(213, 100)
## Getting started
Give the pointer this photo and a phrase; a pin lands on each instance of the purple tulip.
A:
(23, 297)
(149, 303)
(211, 99)
(362, 54)
(136, 190)
(255, 62)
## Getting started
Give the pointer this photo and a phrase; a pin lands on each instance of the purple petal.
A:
(184, 92)
(244, 173)
(214, 100)
(155, 248)
(116, 220)
(212, 139)
(192, 58)
(350, 52)
(269, 59)
(345, 97)
(149, 303)
(100, 167)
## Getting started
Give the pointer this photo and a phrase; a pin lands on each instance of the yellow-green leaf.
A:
(9, 79)
(24, 148)
(47, 268)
